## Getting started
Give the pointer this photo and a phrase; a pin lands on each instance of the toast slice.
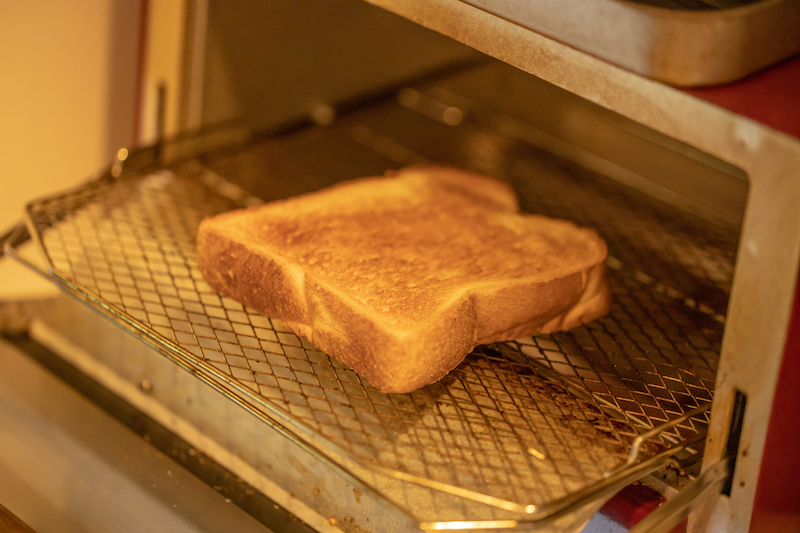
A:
(401, 276)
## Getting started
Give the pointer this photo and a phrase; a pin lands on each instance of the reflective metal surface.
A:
(68, 467)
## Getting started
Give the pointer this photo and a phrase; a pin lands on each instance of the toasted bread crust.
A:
(401, 277)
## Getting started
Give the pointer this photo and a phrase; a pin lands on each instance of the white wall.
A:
(67, 86)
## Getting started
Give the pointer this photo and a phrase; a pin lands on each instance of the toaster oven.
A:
(684, 391)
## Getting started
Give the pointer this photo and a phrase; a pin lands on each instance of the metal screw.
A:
(146, 386)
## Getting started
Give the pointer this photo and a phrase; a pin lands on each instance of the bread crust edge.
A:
(398, 361)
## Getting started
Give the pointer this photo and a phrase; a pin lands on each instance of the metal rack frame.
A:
(229, 347)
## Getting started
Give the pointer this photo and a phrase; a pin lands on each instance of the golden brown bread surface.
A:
(401, 276)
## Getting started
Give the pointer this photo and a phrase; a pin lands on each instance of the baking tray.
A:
(534, 433)
(680, 42)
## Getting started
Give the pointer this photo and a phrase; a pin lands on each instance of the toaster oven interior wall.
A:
(271, 64)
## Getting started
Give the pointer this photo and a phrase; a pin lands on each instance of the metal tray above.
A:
(680, 42)
(537, 432)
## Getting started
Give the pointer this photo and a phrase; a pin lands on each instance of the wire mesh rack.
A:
(520, 432)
